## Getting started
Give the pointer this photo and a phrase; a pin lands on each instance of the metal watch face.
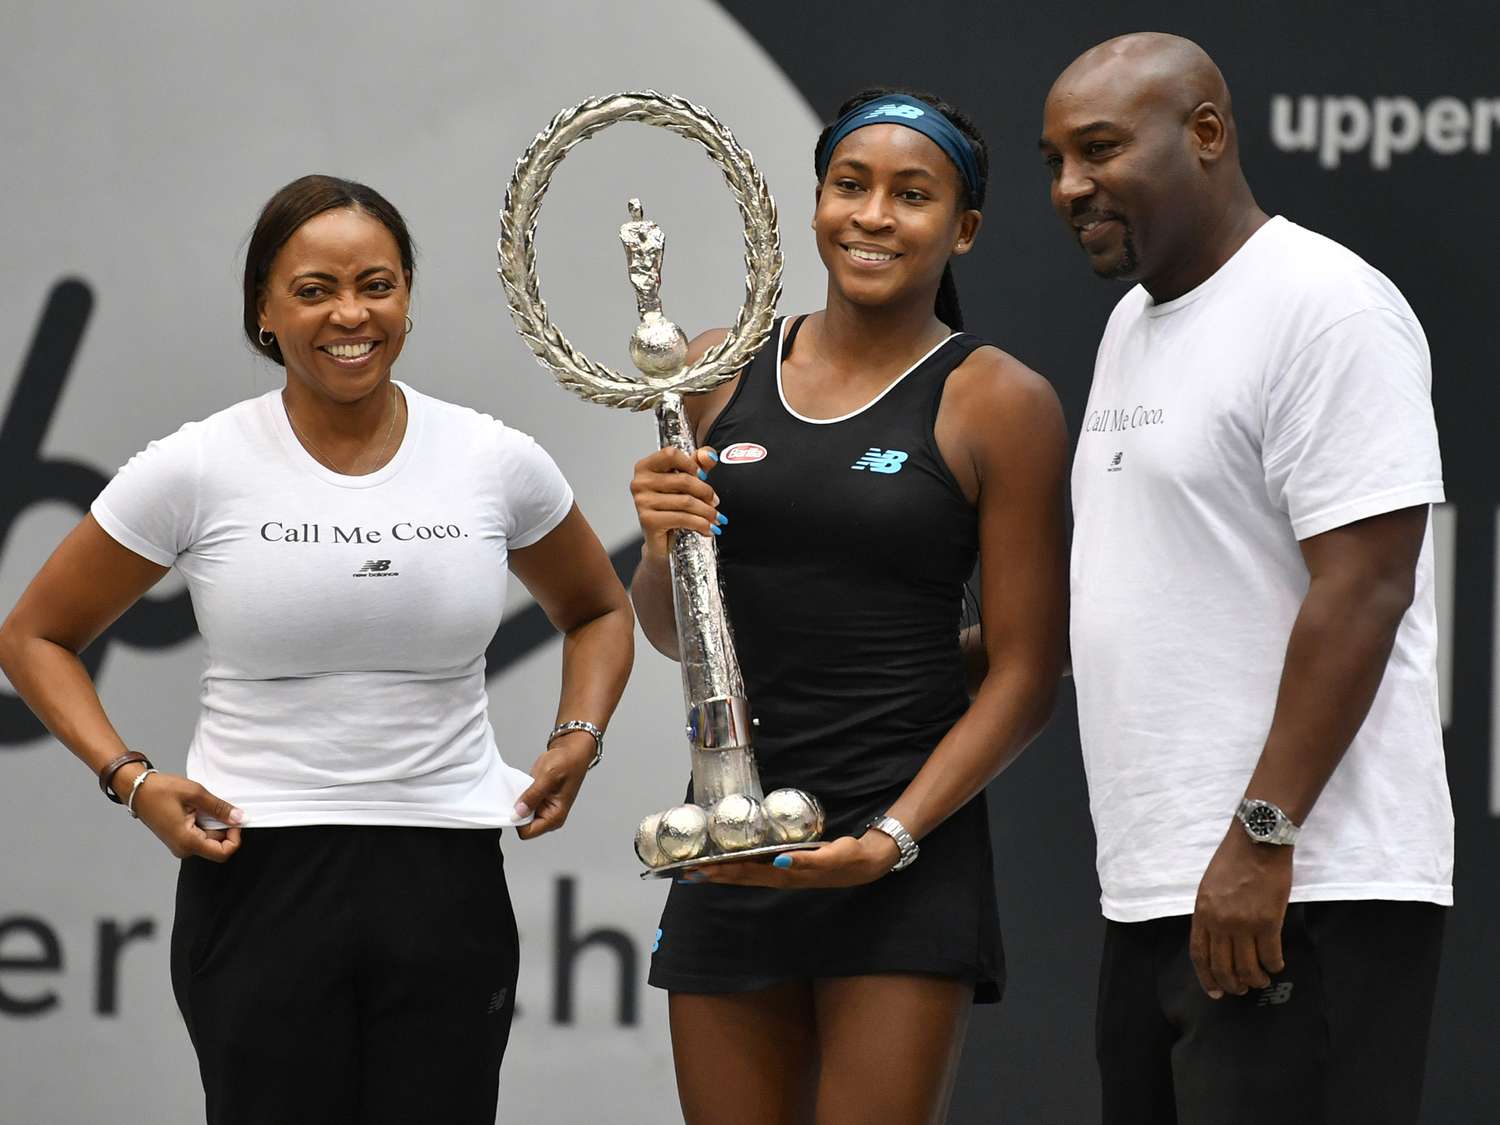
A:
(1261, 820)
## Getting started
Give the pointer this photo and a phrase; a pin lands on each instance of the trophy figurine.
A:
(729, 816)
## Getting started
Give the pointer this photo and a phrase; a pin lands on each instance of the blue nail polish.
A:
(723, 519)
(702, 475)
(712, 456)
(717, 530)
(782, 861)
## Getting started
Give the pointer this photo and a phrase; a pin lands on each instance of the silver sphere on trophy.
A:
(729, 816)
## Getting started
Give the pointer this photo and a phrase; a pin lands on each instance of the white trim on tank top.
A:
(781, 394)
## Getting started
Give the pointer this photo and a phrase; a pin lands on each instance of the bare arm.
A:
(976, 660)
(570, 576)
(1019, 446)
(1361, 581)
(671, 490)
(89, 581)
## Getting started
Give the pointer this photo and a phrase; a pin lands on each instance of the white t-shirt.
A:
(345, 618)
(1287, 395)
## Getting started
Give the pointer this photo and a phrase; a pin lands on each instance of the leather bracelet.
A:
(107, 774)
(135, 785)
(580, 724)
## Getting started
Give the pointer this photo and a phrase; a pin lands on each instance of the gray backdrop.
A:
(134, 151)
(138, 143)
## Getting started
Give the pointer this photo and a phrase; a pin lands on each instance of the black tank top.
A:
(843, 564)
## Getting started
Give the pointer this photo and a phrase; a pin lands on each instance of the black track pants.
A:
(1339, 1037)
(348, 974)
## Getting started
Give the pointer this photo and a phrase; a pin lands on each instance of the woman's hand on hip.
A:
(170, 804)
(671, 490)
(556, 778)
(845, 862)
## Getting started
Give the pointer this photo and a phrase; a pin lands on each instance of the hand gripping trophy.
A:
(729, 817)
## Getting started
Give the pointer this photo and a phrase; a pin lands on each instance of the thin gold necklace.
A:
(323, 457)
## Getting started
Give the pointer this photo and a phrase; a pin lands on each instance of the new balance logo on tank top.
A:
(881, 460)
(848, 544)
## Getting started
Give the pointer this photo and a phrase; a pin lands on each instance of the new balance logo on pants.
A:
(1276, 994)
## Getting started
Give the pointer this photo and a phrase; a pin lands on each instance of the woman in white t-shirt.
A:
(344, 947)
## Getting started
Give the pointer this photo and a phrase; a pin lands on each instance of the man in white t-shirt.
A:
(1254, 632)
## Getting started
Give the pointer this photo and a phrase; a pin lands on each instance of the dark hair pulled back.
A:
(287, 210)
(946, 306)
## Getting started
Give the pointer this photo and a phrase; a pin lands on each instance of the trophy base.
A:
(668, 870)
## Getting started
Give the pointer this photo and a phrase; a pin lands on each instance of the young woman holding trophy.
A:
(854, 473)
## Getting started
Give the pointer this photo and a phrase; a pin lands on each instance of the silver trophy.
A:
(729, 817)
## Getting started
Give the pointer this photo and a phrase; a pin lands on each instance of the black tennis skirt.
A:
(937, 917)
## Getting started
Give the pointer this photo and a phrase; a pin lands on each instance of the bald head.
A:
(1152, 69)
(1140, 139)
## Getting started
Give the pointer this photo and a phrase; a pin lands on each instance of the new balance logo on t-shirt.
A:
(376, 568)
(881, 461)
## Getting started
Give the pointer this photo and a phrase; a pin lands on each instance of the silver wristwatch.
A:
(897, 832)
(580, 724)
(1265, 823)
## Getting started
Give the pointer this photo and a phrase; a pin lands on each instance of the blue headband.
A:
(902, 109)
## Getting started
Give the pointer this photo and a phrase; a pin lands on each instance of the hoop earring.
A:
(263, 335)
(409, 325)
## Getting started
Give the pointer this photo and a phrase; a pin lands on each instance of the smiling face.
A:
(1125, 175)
(891, 211)
(336, 299)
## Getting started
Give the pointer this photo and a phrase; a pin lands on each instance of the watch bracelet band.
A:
(583, 725)
(1284, 833)
(107, 774)
(890, 826)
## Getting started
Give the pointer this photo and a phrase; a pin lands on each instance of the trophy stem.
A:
(718, 719)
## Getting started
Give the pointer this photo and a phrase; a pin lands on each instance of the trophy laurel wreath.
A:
(729, 816)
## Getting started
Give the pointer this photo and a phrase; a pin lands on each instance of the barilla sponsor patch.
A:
(742, 453)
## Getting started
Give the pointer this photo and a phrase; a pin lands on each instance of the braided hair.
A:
(946, 306)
